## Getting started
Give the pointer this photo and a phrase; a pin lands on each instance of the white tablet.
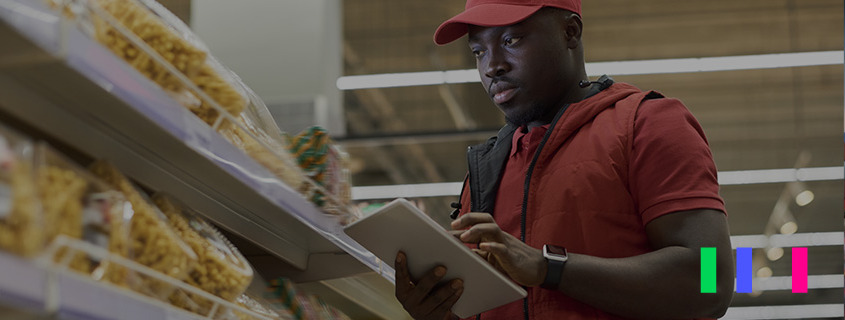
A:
(399, 225)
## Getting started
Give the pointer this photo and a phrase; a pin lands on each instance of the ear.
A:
(572, 30)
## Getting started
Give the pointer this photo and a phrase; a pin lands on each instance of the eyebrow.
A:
(471, 38)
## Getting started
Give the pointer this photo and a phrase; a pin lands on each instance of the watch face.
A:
(555, 250)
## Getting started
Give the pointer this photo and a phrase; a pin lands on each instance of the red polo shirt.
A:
(508, 209)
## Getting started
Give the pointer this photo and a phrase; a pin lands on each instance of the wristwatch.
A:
(555, 260)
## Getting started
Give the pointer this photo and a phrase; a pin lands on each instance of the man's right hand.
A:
(424, 299)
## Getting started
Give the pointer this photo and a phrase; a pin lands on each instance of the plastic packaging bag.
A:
(152, 242)
(137, 19)
(268, 152)
(326, 165)
(149, 37)
(221, 270)
(79, 206)
(254, 305)
(21, 219)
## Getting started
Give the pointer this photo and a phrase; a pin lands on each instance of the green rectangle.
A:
(708, 270)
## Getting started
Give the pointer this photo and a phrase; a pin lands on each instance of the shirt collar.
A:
(518, 135)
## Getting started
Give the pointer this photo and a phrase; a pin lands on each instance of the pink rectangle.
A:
(799, 270)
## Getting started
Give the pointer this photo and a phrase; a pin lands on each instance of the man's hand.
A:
(523, 263)
(424, 299)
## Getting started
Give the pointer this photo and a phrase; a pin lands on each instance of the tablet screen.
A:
(399, 225)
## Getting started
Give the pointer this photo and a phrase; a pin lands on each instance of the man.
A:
(622, 179)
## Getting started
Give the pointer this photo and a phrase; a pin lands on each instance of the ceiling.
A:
(754, 119)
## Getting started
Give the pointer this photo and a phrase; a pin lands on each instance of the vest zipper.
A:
(528, 183)
(474, 193)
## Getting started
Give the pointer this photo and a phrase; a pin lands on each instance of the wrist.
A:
(555, 258)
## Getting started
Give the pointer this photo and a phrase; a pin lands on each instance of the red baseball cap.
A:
(494, 13)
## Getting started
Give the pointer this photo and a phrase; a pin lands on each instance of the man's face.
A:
(524, 67)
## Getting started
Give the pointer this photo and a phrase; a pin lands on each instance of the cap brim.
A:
(486, 15)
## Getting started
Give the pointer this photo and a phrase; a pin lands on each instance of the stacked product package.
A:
(221, 269)
(77, 205)
(328, 166)
(48, 203)
(282, 294)
(152, 242)
(21, 219)
(162, 48)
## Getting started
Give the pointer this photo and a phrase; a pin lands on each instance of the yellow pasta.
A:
(152, 242)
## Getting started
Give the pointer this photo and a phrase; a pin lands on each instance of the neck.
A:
(575, 95)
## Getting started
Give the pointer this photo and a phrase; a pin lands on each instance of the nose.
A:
(495, 64)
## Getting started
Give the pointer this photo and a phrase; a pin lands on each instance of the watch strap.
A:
(553, 273)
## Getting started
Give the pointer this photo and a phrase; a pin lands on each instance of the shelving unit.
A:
(41, 287)
(57, 80)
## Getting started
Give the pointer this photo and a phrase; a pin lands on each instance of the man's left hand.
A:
(523, 263)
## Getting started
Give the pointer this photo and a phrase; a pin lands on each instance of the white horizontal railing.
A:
(806, 311)
(726, 178)
(618, 68)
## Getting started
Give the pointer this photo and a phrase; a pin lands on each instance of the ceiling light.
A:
(774, 253)
(804, 198)
(764, 272)
(789, 227)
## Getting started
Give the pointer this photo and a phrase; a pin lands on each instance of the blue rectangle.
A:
(743, 270)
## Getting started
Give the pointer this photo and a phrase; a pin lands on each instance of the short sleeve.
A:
(671, 167)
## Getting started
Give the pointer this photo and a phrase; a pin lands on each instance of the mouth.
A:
(502, 92)
(504, 96)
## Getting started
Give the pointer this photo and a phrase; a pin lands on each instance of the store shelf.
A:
(38, 290)
(365, 296)
(59, 81)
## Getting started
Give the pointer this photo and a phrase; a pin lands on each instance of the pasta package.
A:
(326, 165)
(151, 240)
(257, 134)
(186, 57)
(221, 269)
(252, 304)
(21, 218)
(272, 155)
(78, 205)
(211, 81)
(171, 40)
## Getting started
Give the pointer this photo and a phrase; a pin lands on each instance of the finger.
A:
(482, 232)
(472, 218)
(501, 254)
(424, 286)
(457, 233)
(441, 294)
(447, 304)
(481, 253)
(495, 248)
(403, 279)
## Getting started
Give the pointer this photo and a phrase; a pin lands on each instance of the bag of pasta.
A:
(149, 37)
(79, 206)
(271, 153)
(255, 310)
(152, 242)
(221, 269)
(21, 220)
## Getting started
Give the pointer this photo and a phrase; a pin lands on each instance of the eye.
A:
(509, 41)
(477, 52)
